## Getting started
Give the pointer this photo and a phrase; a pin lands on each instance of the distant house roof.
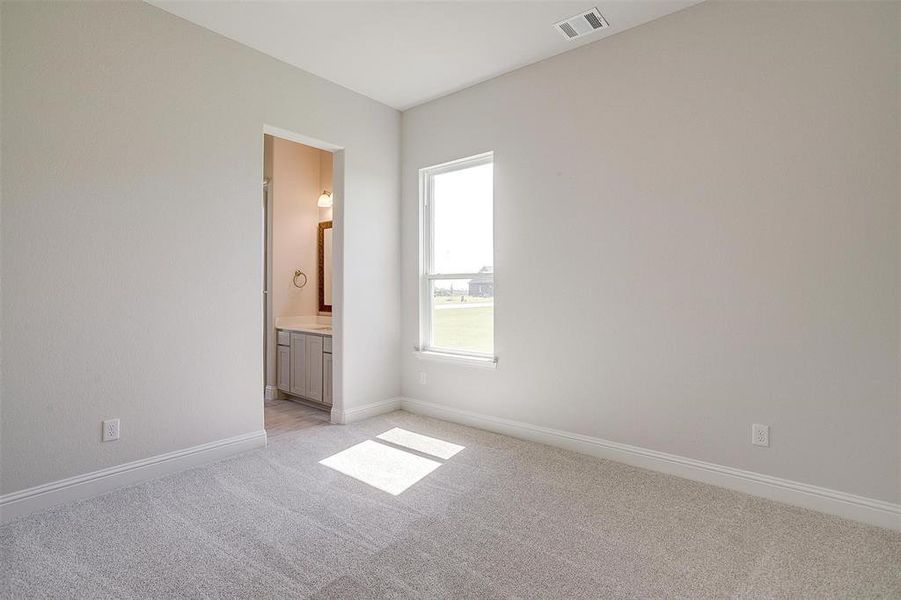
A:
(486, 271)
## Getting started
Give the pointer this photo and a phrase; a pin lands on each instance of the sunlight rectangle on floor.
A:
(383, 467)
(421, 443)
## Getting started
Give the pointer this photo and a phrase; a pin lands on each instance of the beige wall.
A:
(295, 221)
(697, 229)
(132, 239)
(325, 182)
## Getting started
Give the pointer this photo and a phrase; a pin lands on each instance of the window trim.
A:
(426, 250)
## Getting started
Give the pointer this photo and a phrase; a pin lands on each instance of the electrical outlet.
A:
(760, 435)
(422, 378)
(111, 430)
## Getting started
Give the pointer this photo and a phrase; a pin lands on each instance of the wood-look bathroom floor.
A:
(283, 417)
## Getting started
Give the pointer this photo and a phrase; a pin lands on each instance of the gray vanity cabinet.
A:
(327, 377)
(313, 365)
(304, 366)
(298, 364)
(283, 368)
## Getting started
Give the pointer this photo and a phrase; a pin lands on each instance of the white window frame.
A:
(426, 276)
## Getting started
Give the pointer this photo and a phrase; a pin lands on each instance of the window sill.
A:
(487, 362)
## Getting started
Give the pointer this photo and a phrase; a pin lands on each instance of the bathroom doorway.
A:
(301, 281)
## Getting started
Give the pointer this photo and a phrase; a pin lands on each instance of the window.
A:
(457, 278)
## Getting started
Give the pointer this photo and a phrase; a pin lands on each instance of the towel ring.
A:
(299, 273)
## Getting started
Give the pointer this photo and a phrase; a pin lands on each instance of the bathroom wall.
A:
(132, 240)
(697, 229)
(326, 169)
(296, 186)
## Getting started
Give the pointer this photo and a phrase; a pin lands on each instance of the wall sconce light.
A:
(325, 200)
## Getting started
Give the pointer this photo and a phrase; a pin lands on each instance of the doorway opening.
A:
(300, 348)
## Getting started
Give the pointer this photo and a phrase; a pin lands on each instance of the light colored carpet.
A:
(501, 519)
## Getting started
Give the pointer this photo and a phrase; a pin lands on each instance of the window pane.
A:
(463, 239)
(463, 314)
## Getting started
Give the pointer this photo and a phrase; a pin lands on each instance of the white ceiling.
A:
(406, 53)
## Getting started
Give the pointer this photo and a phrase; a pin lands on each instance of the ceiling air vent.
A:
(582, 24)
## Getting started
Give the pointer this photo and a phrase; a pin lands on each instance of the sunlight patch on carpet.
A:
(383, 467)
(420, 443)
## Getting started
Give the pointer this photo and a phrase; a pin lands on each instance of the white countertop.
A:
(316, 325)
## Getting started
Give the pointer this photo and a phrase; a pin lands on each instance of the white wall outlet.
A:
(423, 379)
(111, 430)
(760, 435)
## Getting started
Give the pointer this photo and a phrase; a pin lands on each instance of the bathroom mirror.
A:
(325, 266)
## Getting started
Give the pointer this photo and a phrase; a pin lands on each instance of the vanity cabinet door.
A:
(298, 364)
(314, 368)
(327, 379)
(283, 368)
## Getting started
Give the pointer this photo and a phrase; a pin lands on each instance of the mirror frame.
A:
(323, 307)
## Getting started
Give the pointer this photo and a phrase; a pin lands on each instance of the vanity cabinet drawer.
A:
(327, 344)
(284, 338)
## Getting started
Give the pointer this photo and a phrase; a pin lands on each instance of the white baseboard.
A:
(21, 503)
(842, 504)
(358, 413)
(270, 393)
